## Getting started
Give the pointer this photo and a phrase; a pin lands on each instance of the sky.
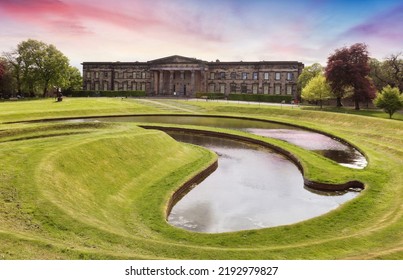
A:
(228, 30)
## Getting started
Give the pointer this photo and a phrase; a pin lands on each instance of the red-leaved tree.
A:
(349, 68)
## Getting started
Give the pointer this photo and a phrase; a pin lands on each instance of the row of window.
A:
(255, 76)
(118, 75)
(117, 86)
(244, 88)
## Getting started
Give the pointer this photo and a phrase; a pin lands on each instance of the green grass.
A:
(99, 191)
(378, 113)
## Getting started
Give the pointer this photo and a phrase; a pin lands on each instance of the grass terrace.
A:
(74, 190)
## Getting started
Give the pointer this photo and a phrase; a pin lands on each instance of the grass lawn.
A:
(100, 190)
(378, 113)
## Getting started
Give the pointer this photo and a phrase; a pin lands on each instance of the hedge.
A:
(247, 97)
(108, 93)
(210, 95)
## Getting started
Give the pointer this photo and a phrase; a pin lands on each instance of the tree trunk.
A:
(320, 104)
(339, 104)
(357, 104)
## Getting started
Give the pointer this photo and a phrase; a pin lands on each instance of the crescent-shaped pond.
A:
(253, 187)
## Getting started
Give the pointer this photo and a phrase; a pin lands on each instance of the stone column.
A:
(192, 83)
(155, 89)
(161, 82)
(182, 83)
(171, 79)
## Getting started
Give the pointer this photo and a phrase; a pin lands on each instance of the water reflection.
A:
(252, 188)
(324, 145)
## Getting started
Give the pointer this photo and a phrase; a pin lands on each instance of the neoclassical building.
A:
(184, 76)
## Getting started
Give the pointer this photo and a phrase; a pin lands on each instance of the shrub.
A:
(210, 95)
(389, 100)
(247, 97)
(108, 93)
(261, 98)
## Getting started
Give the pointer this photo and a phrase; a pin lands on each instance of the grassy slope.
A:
(29, 110)
(46, 214)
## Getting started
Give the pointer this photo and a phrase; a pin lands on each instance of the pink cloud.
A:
(61, 16)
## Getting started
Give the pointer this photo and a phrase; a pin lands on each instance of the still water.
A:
(252, 188)
(333, 149)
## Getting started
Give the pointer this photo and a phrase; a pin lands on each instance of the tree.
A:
(317, 89)
(388, 72)
(2, 68)
(6, 79)
(349, 67)
(390, 100)
(308, 73)
(75, 80)
(37, 65)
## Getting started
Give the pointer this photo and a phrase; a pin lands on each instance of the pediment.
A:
(175, 59)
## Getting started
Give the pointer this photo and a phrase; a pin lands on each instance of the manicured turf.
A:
(97, 190)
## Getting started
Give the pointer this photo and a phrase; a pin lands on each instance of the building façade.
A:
(184, 76)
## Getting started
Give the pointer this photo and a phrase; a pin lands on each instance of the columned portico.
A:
(179, 81)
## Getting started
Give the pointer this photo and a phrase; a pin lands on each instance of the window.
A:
(255, 88)
(266, 75)
(233, 88)
(233, 75)
(134, 85)
(222, 88)
(255, 75)
(222, 75)
(96, 75)
(125, 86)
(88, 75)
(244, 76)
(88, 86)
(212, 76)
(290, 76)
(277, 89)
(278, 75)
(116, 86)
(105, 74)
(143, 76)
(266, 89)
(289, 89)
(125, 75)
(211, 88)
(105, 86)
(244, 88)
(143, 86)
(96, 86)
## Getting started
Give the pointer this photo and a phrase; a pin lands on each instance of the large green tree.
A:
(390, 100)
(308, 73)
(317, 90)
(37, 65)
(349, 68)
